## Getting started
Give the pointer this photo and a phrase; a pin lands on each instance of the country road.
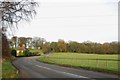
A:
(30, 68)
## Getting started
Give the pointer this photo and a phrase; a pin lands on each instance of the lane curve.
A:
(30, 68)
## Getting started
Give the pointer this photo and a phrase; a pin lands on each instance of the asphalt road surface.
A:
(30, 68)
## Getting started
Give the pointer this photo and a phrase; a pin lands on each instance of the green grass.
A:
(36, 50)
(8, 70)
(91, 61)
(0, 69)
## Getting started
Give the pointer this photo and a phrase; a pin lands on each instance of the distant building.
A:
(20, 50)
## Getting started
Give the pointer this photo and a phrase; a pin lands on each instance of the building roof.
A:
(21, 48)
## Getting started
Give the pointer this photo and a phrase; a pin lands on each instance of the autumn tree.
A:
(114, 47)
(46, 47)
(106, 48)
(61, 45)
(73, 46)
(85, 47)
(54, 47)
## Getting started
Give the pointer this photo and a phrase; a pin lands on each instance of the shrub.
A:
(26, 52)
(13, 52)
(34, 54)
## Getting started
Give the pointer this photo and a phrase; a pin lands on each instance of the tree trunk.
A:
(5, 47)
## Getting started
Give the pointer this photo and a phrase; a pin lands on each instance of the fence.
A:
(106, 64)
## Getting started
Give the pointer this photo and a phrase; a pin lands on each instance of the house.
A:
(20, 50)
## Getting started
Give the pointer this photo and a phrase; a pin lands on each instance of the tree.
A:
(5, 48)
(38, 42)
(12, 12)
(106, 48)
(88, 45)
(54, 47)
(22, 40)
(46, 47)
(73, 46)
(62, 45)
(97, 48)
(29, 42)
(14, 41)
(114, 47)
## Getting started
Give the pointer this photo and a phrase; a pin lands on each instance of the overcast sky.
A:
(76, 20)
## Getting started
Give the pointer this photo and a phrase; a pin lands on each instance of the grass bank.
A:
(36, 50)
(98, 62)
(8, 70)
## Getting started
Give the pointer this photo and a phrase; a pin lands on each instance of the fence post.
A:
(97, 62)
(106, 64)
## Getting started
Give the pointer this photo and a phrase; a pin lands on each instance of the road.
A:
(30, 68)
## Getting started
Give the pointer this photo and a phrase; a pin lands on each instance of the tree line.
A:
(62, 46)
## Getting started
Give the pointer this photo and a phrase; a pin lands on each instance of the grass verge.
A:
(8, 70)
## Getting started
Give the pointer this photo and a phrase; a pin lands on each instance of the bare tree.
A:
(38, 42)
(13, 11)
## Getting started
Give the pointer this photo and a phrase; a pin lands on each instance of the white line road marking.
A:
(77, 76)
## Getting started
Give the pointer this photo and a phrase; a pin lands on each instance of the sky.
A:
(73, 20)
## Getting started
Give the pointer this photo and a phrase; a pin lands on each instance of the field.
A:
(89, 61)
(8, 70)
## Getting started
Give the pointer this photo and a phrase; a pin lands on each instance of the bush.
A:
(13, 52)
(26, 52)
(34, 54)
